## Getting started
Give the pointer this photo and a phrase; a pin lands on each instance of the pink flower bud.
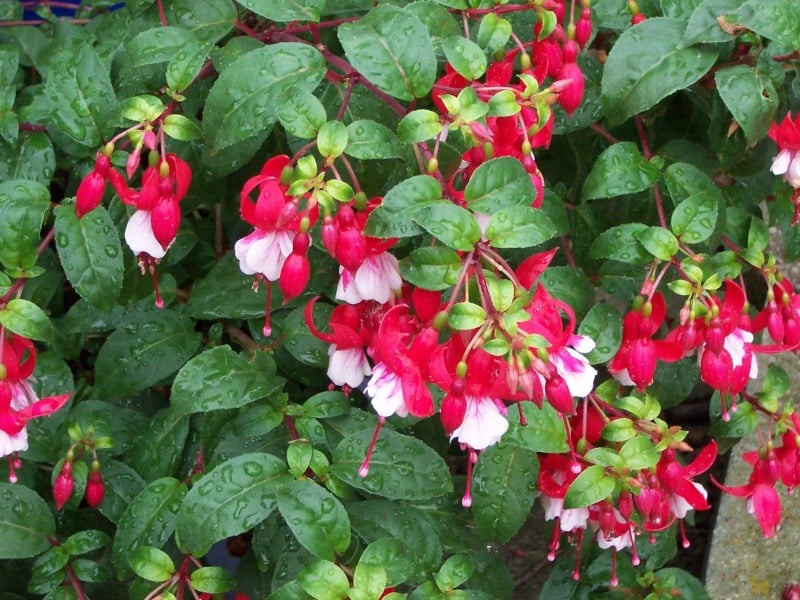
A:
(296, 269)
(165, 221)
(132, 163)
(558, 395)
(642, 359)
(329, 235)
(572, 95)
(95, 489)
(63, 485)
(454, 407)
(583, 28)
(90, 193)
(351, 249)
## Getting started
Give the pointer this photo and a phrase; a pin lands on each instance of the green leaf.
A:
(26, 522)
(285, 11)
(456, 570)
(324, 580)
(571, 286)
(620, 243)
(694, 219)
(392, 49)
(499, 183)
(776, 382)
(176, 46)
(703, 27)
(369, 580)
(332, 139)
(181, 128)
(31, 158)
(464, 316)
(620, 169)
(603, 323)
(777, 20)
(543, 430)
(301, 113)
(392, 556)
(242, 101)
(452, 225)
(86, 541)
(25, 318)
(208, 20)
(149, 520)
(646, 65)
(401, 467)
(369, 139)
(418, 126)
(220, 379)
(91, 254)
(393, 218)
(23, 205)
(503, 490)
(147, 348)
(659, 242)
(316, 517)
(325, 405)
(681, 582)
(212, 580)
(591, 486)
(639, 453)
(750, 96)
(226, 293)
(122, 485)
(465, 56)
(157, 453)
(228, 500)
(742, 422)
(431, 268)
(493, 33)
(519, 227)
(151, 564)
(82, 100)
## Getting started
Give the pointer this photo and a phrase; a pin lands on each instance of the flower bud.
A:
(63, 485)
(572, 95)
(95, 487)
(296, 269)
(165, 219)
(90, 193)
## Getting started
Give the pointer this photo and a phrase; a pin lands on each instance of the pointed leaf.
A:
(25, 522)
(620, 169)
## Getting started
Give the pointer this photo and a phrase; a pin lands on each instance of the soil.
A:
(526, 553)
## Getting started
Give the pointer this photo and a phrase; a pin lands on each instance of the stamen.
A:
(725, 415)
(554, 540)
(267, 330)
(13, 465)
(466, 499)
(522, 420)
(363, 471)
(635, 560)
(151, 264)
(684, 540)
(614, 581)
(576, 572)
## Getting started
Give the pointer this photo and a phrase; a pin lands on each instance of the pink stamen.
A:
(522, 420)
(614, 581)
(554, 540)
(725, 415)
(151, 266)
(635, 560)
(684, 540)
(267, 329)
(466, 499)
(13, 465)
(576, 572)
(363, 470)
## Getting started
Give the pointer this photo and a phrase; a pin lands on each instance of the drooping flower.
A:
(786, 163)
(93, 186)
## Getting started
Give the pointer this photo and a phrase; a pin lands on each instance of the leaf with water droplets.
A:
(750, 96)
(465, 56)
(151, 564)
(31, 158)
(243, 100)
(703, 28)
(431, 268)
(212, 580)
(25, 522)
(221, 379)
(23, 205)
(401, 467)
(316, 517)
(777, 20)
(620, 169)
(284, 11)
(231, 498)
(25, 318)
(497, 184)
(393, 218)
(646, 65)
(591, 486)
(393, 49)
(452, 225)
(91, 254)
(147, 348)
(603, 323)
(519, 227)
(695, 218)
(503, 490)
(368, 139)
(148, 520)
(620, 243)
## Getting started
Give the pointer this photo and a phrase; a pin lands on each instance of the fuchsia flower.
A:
(93, 186)
(18, 402)
(636, 360)
(787, 162)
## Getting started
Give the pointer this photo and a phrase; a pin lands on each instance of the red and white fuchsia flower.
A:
(786, 163)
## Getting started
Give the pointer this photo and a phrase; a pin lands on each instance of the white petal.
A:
(780, 164)
(348, 366)
(140, 238)
(386, 392)
(346, 289)
(553, 507)
(483, 425)
(264, 252)
(377, 278)
(574, 518)
(13, 443)
(575, 370)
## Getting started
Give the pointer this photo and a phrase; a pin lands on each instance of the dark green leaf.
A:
(432, 268)
(695, 218)
(465, 56)
(316, 517)
(603, 323)
(392, 49)
(86, 541)
(230, 499)
(148, 520)
(212, 580)
(418, 126)
(393, 218)
(452, 225)
(177, 47)
(741, 423)
(620, 243)
(91, 254)
(301, 113)
(456, 570)
(391, 554)
(543, 430)
(703, 27)
(497, 184)
(371, 140)
(646, 65)
(23, 205)
(519, 227)
(146, 349)
(684, 583)
(156, 454)
(620, 169)
(659, 242)
(750, 96)
(32, 158)
(504, 486)
(208, 20)
(401, 467)
(242, 101)
(25, 522)
(571, 286)
(227, 293)
(220, 379)
(325, 405)
(777, 20)
(285, 11)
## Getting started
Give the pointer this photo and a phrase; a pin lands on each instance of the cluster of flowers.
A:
(18, 400)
